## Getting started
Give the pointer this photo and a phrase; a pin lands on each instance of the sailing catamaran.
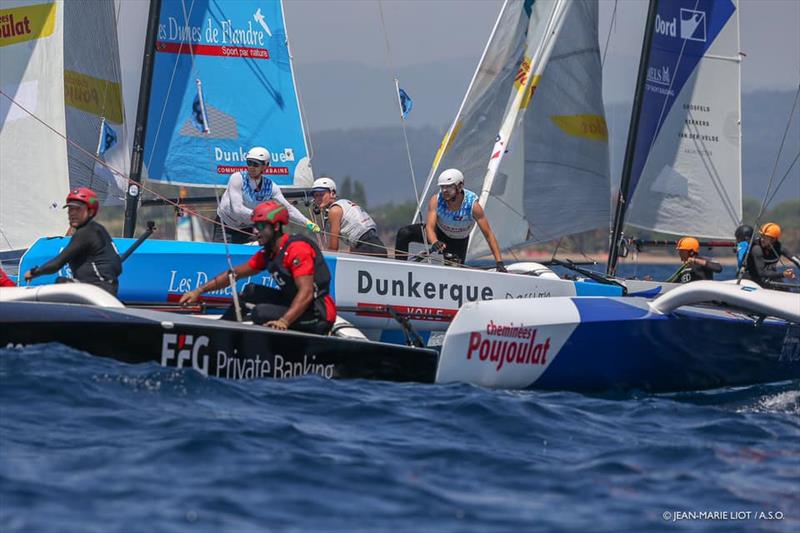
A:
(683, 146)
(566, 343)
(186, 143)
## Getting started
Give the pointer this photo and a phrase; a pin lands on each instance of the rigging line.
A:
(397, 96)
(111, 169)
(612, 26)
(780, 151)
(783, 179)
(166, 98)
(303, 115)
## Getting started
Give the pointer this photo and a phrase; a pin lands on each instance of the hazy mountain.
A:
(369, 146)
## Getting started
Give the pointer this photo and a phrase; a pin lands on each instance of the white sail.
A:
(93, 98)
(33, 159)
(554, 177)
(690, 182)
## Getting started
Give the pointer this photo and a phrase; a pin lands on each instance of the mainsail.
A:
(686, 168)
(33, 160)
(93, 96)
(532, 129)
(223, 82)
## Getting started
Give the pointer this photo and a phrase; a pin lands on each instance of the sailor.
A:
(302, 300)
(743, 234)
(90, 253)
(452, 213)
(762, 261)
(694, 267)
(245, 191)
(347, 221)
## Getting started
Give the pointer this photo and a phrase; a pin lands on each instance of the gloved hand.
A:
(501, 267)
(310, 226)
(438, 246)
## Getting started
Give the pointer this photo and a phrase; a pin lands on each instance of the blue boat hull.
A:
(602, 344)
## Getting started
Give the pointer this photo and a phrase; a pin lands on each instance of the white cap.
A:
(258, 153)
(451, 176)
(323, 184)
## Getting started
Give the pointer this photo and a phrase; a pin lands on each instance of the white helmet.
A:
(258, 153)
(323, 184)
(451, 176)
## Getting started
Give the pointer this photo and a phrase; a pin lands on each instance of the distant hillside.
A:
(377, 157)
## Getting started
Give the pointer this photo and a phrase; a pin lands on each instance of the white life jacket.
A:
(355, 221)
(456, 224)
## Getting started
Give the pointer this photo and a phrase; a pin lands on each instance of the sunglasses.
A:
(447, 187)
(251, 163)
(260, 226)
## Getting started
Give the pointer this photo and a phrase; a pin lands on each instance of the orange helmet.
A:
(771, 229)
(688, 243)
(271, 212)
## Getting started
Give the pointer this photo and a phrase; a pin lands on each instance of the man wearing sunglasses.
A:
(452, 213)
(301, 300)
(244, 192)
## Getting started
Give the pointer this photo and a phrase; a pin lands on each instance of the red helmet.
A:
(86, 196)
(271, 212)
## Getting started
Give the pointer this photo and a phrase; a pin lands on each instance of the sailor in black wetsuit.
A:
(694, 267)
(90, 253)
(762, 262)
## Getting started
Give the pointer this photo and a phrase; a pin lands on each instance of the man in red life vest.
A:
(302, 301)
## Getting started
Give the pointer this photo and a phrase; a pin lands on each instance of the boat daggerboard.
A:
(686, 173)
(31, 76)
(223, 82)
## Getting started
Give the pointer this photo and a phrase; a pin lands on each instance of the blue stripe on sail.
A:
(684, 31)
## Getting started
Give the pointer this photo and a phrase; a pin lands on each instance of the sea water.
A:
(91, 444)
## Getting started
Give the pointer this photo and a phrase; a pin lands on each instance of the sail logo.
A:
(20, 24)
(661, 76)
(664, 27)
(693, 25)
(184, 350)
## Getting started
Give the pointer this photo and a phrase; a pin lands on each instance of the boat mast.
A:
(137, 157)
(630, 148)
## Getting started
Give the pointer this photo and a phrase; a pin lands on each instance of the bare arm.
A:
(335, 219)
(483, 224)
(217, 282)
(294, 214)
(430, 226)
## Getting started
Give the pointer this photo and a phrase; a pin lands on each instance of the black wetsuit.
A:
(92, 258)
(694, 272)
(762, 263)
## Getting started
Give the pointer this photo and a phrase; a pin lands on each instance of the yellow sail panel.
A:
(93, 95)
(586, 126)
(26, 23)
(447, 141)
